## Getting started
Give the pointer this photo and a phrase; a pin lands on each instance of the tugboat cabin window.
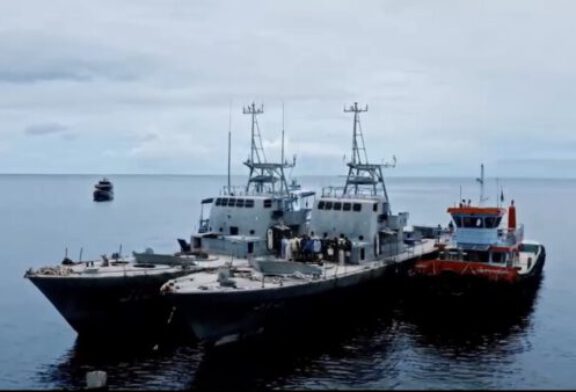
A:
(233, 230)
(362, 254)
(492, 221)
(498, 257)
(249, 203)
(457, 220)
(328, 205)
(321, 205)
(357, 207)
(337, 206)
(472, 222)
(529, 248)
(346, 207)
(240, 203)
(268, 203)
(375, 207)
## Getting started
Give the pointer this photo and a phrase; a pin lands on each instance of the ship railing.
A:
(338, 191)
(512, 236)
(241, 191)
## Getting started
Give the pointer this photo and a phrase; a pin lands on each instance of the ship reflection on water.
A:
(385, 343)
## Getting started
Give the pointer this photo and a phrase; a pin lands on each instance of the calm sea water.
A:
(394, 345)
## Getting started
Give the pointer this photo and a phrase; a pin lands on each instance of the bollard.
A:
(96, 379)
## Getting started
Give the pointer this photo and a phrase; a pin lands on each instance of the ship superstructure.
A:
(353, 240)
(251, 220)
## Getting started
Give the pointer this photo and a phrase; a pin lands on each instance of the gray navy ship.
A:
(352, 240)
(118, 295)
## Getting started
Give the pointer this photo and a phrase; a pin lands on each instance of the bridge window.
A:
(218, 201)
(498, 257)
(321, 205)
(492, 221)
(346, 207)
(231, 202)
(474, 222)
(249, 203)
(268, 203)
(337, 206)
(224, 202)
(357, 207)
(240, 203)
(328, 205)
(457, 220)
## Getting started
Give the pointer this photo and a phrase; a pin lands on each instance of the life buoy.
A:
(270, 239)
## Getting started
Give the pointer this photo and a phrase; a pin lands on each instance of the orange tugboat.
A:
(479, 254)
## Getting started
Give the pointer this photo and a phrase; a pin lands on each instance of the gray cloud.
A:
(45, 129)
(449, 83)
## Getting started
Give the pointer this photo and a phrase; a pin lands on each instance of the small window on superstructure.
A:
(328, 205)
(231, 202)
(268, 203)
(218, 201)
(240, 203)
(249, 203)
(337, 206)
(251, 232)
(375, 207)
(362, 254)
(224, 202)
(346, 206)
(490, 221)
(321, 205)
(457, 220)
(357, 207)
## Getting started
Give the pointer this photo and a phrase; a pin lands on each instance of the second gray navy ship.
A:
(352, 240)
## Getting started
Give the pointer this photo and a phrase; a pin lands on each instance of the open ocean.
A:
(396, 344)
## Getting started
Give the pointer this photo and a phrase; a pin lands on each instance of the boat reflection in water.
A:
(148, 363)
(401, 344)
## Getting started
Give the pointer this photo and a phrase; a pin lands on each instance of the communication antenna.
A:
(357, 131)
(229, 141)
(256, 145)
(481, 181)
(282, 153)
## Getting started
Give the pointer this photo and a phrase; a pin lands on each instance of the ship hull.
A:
(477, 286)
(103, 195)
(103, 306)
(222, 317)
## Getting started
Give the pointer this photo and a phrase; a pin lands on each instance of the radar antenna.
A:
(263, 174)
(361, 173)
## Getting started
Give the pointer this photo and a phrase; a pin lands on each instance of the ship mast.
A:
(481, 181)
(263, 175)
(361, 173)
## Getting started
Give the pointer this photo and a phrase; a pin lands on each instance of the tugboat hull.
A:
(468, 284)
(108, 306)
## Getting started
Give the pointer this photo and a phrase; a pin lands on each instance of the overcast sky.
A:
(142, 86)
